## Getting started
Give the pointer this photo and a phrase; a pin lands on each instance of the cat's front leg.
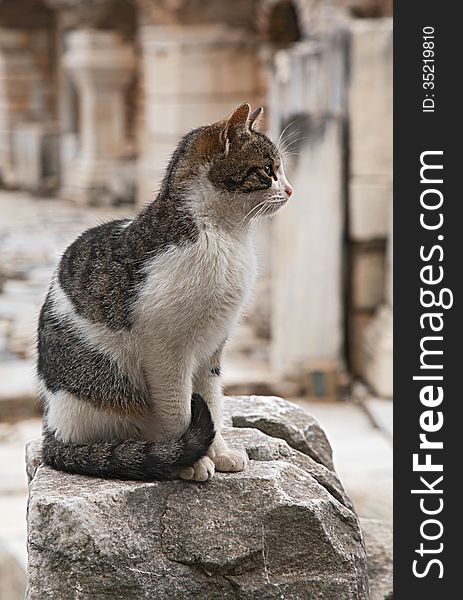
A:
(169, 378)
(207, 383)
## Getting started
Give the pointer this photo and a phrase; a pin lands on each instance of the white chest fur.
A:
(193, 295)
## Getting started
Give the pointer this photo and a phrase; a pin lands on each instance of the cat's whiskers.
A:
(261, 210)
(287, 141)
(265, 207)
(252, 209)
(283, 132)
(289, 152)
(288, 137)
(292, 142)
(275, 197)
(258, 213)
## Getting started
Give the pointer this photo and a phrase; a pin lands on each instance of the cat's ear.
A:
(216, 138)
(235, 124)
(238, 119)
(210, 142)
(255, 117)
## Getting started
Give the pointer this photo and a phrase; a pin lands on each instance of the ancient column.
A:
(101, 66)
(192, 75)
(21, 95)
(307, 286)
(377, 343)
(370, 201)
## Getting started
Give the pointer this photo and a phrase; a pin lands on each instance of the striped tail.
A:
(134, 459)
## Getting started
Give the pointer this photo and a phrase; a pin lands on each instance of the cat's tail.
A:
(134, 459)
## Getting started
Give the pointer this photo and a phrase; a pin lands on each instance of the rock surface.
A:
(281, 419)
(283, 528)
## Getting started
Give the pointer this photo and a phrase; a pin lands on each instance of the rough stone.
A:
(33, 457)
(282, 528)
(262, 447)
(282, 419)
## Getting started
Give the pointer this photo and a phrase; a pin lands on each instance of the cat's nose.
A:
(289, 189)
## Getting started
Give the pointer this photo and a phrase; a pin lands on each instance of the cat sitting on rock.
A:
(132, 330)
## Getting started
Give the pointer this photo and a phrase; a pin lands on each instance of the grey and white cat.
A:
(131, 332)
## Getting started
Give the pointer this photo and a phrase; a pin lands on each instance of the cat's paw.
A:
(230, 461)
(202, 470)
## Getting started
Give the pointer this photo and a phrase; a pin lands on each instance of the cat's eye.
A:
(268, 170)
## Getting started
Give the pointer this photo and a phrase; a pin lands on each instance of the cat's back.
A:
(97, 271)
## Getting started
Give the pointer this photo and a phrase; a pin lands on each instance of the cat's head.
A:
(238, 169)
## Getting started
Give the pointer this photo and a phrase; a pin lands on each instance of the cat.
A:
(132, 329)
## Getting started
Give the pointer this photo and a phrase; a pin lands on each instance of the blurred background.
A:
(94, 95)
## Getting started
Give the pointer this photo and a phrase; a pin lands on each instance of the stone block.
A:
(176, 117)
(370, 97)
(370, 208)
(236, 73)
(307, 95)
(191, 75)
(161, 73)
(209, 59)
(370, 8)
(358, 323)
(284, 527)
(378, 352)
(367, 277)
(282, 419)
(164, 119)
